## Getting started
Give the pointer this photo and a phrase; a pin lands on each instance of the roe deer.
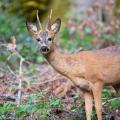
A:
(89, 70)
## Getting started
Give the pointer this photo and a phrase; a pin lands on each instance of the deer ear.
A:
(32, 29)
(55, 27)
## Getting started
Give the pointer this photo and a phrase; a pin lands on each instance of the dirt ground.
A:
(45, 80)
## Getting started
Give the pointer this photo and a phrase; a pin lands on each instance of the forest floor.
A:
(46, 80)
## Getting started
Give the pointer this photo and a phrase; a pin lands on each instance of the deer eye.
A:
(49, 39)
(38, 39)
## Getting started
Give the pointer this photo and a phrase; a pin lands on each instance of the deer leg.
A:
(97, 91)
(88, 104)
(117, 88)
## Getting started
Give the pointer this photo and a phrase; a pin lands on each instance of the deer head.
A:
(45, 37)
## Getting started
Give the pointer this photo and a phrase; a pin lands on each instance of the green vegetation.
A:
(39, 109)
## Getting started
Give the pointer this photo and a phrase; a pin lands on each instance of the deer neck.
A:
(58, 60)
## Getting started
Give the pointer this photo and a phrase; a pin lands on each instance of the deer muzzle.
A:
(44, 49)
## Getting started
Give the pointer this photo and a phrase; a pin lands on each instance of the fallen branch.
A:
(118, 98)
(47, 81)
(7, 97)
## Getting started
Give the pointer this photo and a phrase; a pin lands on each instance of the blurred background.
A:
(86, 25)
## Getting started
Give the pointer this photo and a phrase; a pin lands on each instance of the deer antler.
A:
(49, 20)
(38, 20)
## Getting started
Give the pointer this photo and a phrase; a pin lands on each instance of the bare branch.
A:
(18, 101)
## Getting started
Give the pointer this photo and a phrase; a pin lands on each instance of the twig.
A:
(18, 101)
(111, 100)
(8, 58)
(11, 70)
(51, 80)
(7, 97)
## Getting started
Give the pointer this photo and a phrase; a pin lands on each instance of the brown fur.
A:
(90, 70)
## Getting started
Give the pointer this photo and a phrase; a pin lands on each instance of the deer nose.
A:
(44, 49)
